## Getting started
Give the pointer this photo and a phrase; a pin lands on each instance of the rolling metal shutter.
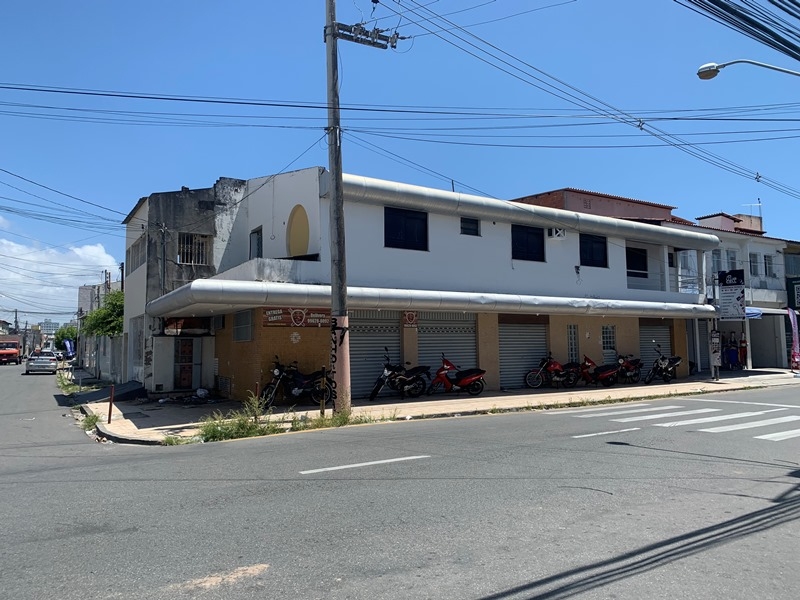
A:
(370, 331)
(648, 333)
(705, 362)
(522, 346)
(451, 333)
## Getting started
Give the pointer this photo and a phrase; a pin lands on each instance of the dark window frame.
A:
(594, 250)
(470, 226)
(527, 243)
(405, 229)
(635, 258)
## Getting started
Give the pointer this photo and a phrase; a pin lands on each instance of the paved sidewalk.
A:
(136, 420)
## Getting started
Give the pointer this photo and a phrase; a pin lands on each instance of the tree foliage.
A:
(108, 319)
(67, 332)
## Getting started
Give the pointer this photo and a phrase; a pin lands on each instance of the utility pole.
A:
(340, 323)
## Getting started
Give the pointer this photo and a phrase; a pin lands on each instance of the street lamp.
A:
(711, 70)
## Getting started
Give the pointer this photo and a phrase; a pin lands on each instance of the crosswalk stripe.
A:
(610, 413)
(585, 435)
(751, 424)
(574, 411)
(781, 435)
(673, 414)
(716, 418)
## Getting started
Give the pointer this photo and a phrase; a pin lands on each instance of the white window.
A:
(769, 266)
(716, 261)
(732, 259)
(754, 261)
(608, 335)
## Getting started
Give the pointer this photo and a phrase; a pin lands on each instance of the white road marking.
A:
(574, 411)
(610, 413)
(673, 414)
(740, 402)
(606, 432)
(366, 464)
(782, 435)
(751, 424)
(717, 418)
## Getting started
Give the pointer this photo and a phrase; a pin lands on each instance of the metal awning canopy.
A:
(207, 297)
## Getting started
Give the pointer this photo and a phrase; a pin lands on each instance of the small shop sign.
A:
(296, 317)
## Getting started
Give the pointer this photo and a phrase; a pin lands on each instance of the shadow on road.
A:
(785, 509)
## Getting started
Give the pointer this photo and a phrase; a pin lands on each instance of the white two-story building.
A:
(487, 282)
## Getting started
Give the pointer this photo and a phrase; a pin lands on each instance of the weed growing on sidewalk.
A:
(90, 422)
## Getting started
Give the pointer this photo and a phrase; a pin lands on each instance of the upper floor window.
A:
(754, 264)
(256, 243)
(404, 228)
(733, 259)
(194, 249)
(636, 262)
(716, 261)
(527, 243)
(769, 266)
(470, 226)
(593, 251)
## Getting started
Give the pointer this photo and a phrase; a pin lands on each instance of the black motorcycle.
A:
(317, 386)
(409, 382)
(663, 367)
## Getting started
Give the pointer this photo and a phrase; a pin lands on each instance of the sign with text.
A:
(793, 289)
(731, 295)
(296, 317)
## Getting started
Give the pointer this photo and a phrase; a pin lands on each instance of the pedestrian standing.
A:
(743, 351)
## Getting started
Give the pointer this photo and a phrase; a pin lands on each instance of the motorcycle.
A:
(663, 367)
(606, 375)
(550, 371)
(317, 385)
(630, 370)
(409, 382)
(453, 379)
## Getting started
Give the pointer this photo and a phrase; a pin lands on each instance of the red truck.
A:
(10, 349)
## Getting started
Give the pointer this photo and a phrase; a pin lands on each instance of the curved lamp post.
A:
(711, 70)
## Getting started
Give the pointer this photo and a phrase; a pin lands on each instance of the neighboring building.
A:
(5, 327)
(102, 356)
(743, 245)
(489, 282)
(49, 328)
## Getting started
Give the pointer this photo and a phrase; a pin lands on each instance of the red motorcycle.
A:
(453, 379)
(552, 372)
(606, 375)
(630, 368)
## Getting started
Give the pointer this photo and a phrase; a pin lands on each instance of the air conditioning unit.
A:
(557, 233)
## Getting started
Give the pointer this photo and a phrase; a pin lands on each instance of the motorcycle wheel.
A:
(667, 377)
(417, 388)
(650, 375)
(376, 389)
(476, 387)
(268, 395)
(325, 392)
(608, 381)
(432, 388)
(534, 379)
(636, 376)
(571, 380)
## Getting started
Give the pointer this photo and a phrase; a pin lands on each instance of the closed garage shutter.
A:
(451, 333)
(370, 332)
(704, 341)
(522, 346)
(648, 333)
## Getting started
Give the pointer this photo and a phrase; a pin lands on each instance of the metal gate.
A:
(451, 333)
(522, 346)
(648, 333)
(370, 332)
(702, 329)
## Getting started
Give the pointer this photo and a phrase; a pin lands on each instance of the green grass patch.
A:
(90, 422)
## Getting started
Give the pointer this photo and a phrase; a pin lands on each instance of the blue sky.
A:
(530, 96)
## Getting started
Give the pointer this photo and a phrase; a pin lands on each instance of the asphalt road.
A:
(557, 504)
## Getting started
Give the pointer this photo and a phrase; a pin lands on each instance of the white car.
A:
(43, 361)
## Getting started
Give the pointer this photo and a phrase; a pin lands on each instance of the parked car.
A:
(43, 361)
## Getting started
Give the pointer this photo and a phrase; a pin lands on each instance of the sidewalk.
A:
(137, 420)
